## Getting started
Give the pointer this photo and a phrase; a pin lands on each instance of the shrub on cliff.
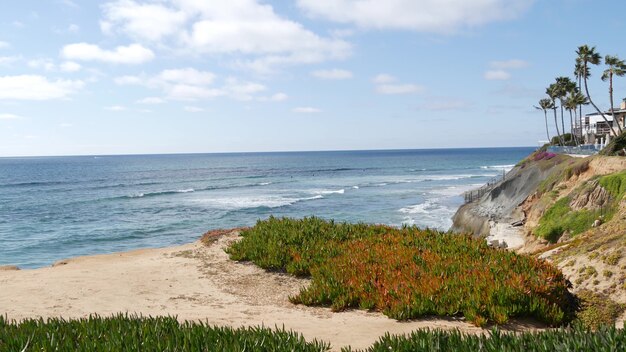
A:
(407, 273)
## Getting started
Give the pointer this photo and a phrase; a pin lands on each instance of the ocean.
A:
(53, 208)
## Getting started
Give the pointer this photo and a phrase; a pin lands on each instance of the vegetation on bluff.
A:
(407, 273)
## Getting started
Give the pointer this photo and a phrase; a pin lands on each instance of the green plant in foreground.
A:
(131, 333)
(605, 338)
(407, 273)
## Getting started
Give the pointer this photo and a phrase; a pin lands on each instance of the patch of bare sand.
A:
(194, 282)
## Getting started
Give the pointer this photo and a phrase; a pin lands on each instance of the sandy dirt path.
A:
(192, 282)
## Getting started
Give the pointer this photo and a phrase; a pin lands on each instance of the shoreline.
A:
(199, 283)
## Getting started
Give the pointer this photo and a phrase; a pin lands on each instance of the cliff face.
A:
(571, 212)
(502, 203)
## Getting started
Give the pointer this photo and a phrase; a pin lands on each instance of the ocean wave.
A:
(430, 214)
(325, 191)
(455, 177)
(498, 167)
(160, 193)
(254, 202)
(455, 190)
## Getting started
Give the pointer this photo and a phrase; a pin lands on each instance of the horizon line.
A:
(256, 152)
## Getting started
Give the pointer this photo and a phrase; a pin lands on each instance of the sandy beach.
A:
(193, 282)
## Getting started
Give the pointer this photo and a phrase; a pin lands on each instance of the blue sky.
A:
(176, 76)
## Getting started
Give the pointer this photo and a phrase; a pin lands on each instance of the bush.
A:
(597, 310)
(131, 333)
(616, 146)
(407, 273)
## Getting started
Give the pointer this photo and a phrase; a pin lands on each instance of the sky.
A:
(200, 76)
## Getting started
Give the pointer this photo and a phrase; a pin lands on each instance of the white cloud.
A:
(69, 3)
(334, 74)
(132, 54)
(247, 29)
(193, 109)
(34, 87)
(4, 45)
(306, 110)
(147, 21)
(191, 84)
(279, 97)
(399, 89)
(418, 15)
(187, 76)
(508, 64)
(45, 64)
(9, 117)
(128, 80)
(386, 84)
(70, 66)
(115, 108)
(445, 104)
(73, 28)
(383, 78)
(499, 70)
(151, 100)
(497, 75)
(8, 60)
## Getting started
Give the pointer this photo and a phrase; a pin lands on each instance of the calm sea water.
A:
(58, 207)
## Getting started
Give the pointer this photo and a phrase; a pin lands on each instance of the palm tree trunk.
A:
(562, 123)
(619, 128)
(545, 115)
(596, 107)
(556, 124)
(571, 127)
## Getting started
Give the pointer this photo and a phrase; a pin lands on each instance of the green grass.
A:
(560, 218)
(130, 333)
(605, 338)
(615, 184)
(406, 273)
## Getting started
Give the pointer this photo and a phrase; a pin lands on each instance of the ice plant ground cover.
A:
(407, 272)
(132, 333)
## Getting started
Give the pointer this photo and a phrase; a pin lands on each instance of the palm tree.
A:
(579, 72)
(545, 105)
(564, 86)
(553, 93)
(586, 56)
(571, 105)
(617, 68)
(579, 99)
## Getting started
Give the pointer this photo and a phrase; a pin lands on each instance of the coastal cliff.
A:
(502, 204)
(569, 211)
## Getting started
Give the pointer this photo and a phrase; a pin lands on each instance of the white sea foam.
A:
(431, 213)
(251, 202)
(325, 191)
(188, 190)
(506, 168)
(264, 183)
(355, 187)
(455, 190)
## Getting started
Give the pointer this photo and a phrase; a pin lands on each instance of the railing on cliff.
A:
(476, 194)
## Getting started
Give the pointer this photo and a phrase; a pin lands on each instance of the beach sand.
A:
(194, 282)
